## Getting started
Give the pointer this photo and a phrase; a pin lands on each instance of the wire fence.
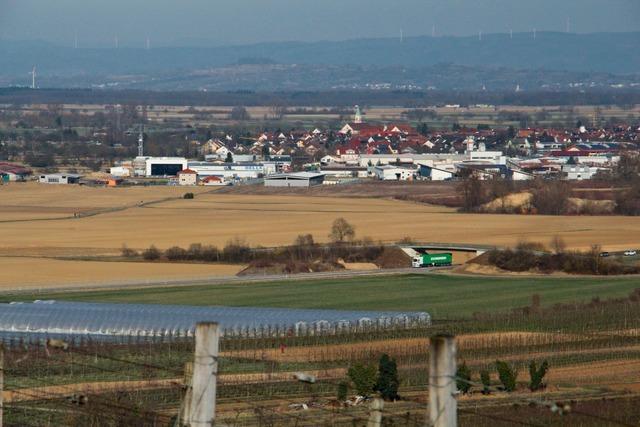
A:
(140, 380)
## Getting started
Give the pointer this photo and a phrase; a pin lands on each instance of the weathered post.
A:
(375, 415)
(188, 393)
(443, 407)
(205, 370)
(1, 384)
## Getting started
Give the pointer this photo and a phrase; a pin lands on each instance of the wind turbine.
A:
(116, 40)
(75, 40)
(33, 77)
(148, 43)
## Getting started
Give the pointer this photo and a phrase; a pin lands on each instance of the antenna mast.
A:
(141, 142)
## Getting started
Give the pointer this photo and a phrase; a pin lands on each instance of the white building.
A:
(394, 173)
(120, 171)
(187, 177)
(59, 178)
(164, 166)
(298, 179)
(228, 170)
(578, 172)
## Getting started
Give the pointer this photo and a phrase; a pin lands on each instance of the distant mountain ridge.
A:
(603, 53)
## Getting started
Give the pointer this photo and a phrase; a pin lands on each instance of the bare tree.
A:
(342, 231)
(558, 245)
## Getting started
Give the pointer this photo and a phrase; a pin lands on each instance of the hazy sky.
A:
(250, 21)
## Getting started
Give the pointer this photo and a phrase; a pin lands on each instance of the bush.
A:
(507, 375)
(485, 379)
(388, 383)
(151, 254)
(128, 252)
(537, 375)
(550, 197)
(236, 250)
(363, 378)
(463, 378)
(188, 196)
(343, 391)
(175, 253)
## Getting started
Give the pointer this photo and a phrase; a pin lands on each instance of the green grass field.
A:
(441, 295)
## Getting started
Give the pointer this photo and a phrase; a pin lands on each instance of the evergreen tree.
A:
(463, 378)
(388, 382)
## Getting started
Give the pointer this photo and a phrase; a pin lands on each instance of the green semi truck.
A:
(435, 260)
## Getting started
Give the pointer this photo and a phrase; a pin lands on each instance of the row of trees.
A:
(507, 374)
(304, 249)
(527, 256)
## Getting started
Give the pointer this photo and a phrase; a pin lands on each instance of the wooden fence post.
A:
(205, 372)
(375, 416)
(188, 393)
(443, 407)
(1, 384)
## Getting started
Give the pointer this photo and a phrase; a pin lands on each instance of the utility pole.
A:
(205, 371)
(443, 407)
(375, 416)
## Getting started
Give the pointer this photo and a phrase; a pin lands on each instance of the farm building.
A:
(214, 180)
(59, 178)
(297, 179)
(394, 173)
(436, 174)
(42, 319)
(187, 177)
(13, 172)
(120, 171)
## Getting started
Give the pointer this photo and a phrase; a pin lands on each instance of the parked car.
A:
(604, 254)
(630, 253)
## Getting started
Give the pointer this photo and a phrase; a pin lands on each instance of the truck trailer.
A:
(435, 260)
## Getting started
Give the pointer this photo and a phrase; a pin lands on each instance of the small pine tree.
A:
(363, 378)
(463, 378)
(343, 390)
(507, 375)
(485, 379)
(537, 375)
(388, 382)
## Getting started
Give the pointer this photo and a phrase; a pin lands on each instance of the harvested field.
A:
(33, 200)
(436, 193)
(23, 272)
(112, 217)
(277, 220)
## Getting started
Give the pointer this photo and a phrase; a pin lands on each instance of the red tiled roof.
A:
(188, 172)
